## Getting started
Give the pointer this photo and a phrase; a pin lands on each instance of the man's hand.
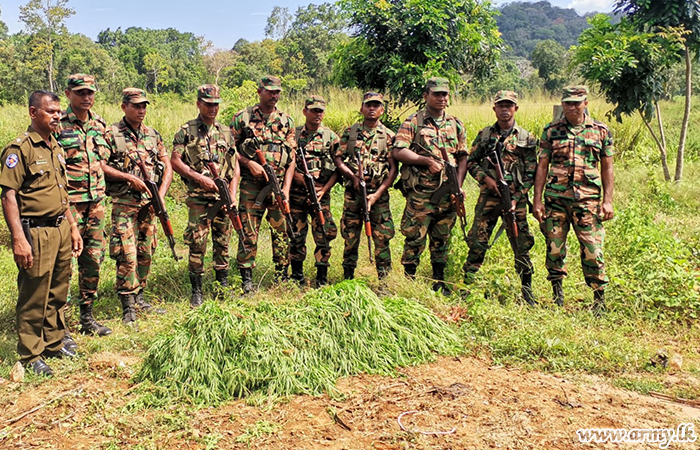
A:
(434, 166)
(320, 193)
(76, 240)
(491, 185)
(607, 211)
(206, 183)
(257, 170)
(371, 200)
(138, 184)
(23, 252)
(538, 210)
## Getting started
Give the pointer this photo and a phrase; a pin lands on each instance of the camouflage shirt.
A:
(574, 153)
(375, 161)
(85, 148)
(144, 143)
(197, 150)
(277, 128)
(318, 153)
(519, 157)
(448, 133)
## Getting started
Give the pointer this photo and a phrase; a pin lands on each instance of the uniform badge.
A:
(60, 158)
(12, 160)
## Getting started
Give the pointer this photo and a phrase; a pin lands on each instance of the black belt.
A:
(35, 222)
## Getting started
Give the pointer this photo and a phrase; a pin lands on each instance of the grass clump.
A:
(222, 351)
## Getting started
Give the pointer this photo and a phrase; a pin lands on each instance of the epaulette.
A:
(18, 142)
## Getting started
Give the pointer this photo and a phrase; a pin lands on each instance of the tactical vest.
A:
(247, 147)
(194, 154)
(321, 164)
(516, 168)
(118, 161)
(375, 172)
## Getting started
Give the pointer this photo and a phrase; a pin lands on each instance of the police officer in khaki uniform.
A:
(44, 233)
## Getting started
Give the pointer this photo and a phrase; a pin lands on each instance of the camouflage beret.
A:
(437, 84)
(134, 95)
(372, 97)
(270, 83)
(315, 102)
(79, 81)
(209, 93)
(574, 94)
(506, 96)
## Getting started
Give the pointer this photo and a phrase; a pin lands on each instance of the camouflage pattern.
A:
(90, 217)
(197, 232)
(79, 81)
(251, 217)
(209, 93)
(271, 83)
(374, 162)
(574, 94)
(134, 95)
(132, 243)
(422, 219)
(437, 84)
(506, 96)
(372, 97)
(352, 230)
(315, 102)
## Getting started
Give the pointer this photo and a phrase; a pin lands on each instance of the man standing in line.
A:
(371, 141)
(575, 163)
(44, 233)
(81, 134)
(133, 236)
(418, 146)
(518, 158)
(318, 144)
(199, 143)
(263, 127)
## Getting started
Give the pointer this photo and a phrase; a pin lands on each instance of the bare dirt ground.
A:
(470, 402)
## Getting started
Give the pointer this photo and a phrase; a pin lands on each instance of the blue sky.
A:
(222, 22)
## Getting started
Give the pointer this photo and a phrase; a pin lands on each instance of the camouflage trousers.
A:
(422, 218)
(301, 210)
(132, 243)
(486, 215)
(352, 229)
(197, 232)
(560, 214)
(251, 217)
(90, 217)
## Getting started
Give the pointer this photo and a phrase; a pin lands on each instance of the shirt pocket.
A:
(40, 174)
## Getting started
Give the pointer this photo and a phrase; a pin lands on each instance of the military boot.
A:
(247, 280)
(409, 271)
(142, 305)
(558, 292)
(383, 272)
(298, 272)
(88, 324)
(526, 289)
(439, 277)
(222, 278)
(281, 273)
(196, 283)
(321, 276)
(68, 341)
(128, 309)
(599, 302)
(348, 273)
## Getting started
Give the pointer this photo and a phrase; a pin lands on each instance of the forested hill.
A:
(524, 24)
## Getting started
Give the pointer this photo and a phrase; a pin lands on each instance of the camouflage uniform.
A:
(276, 129)
(374, 147)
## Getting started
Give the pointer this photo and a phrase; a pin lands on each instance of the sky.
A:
(222, 22)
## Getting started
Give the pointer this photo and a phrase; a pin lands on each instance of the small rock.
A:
(676, 362)
(17, 373)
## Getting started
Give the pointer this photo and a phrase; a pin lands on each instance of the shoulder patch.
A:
(12, 160)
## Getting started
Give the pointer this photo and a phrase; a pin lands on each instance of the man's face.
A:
(45, 118)
(436, 100)
(134, 112)
(505, 110)
(574, 111)
(268, 99)
(372, 110)
(207, 110)
(313, 116)
(81, 100)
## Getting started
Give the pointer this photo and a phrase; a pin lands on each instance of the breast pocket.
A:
(39, 174)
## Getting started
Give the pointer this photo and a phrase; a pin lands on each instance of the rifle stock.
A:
(455, 190)
(506, 204)
(313, 196)
(365, 206)
(226, 201)
(277, 192)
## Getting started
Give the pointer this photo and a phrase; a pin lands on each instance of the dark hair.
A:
(37, 96)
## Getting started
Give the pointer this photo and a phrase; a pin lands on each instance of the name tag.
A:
(41, 161)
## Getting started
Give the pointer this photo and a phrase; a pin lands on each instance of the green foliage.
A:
(665, 14)
(550, 60)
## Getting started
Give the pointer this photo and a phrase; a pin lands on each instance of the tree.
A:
(653, 14)
(278, 23)
(45, 20)
(550, 60)
(398, 44)
(630, 67)
(217, 60)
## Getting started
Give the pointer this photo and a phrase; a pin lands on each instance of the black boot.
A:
(321, 276)
(558, 292)
(88, 324)
(598, 302)
(128, 309)
(196, 283)
(68, 342)
(222, 279)
(348, 273)
(142, 305)
(247, 280)
(409, 270)
(281, 273)
(439, 277)
(526, 279)
(298, 272)
(383, 272)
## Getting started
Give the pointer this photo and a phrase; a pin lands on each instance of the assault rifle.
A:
(313, 196)
(505, 203)
(158, 205)
(453, 188)
(364, 205)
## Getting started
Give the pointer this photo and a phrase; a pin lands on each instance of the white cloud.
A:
(584, 6)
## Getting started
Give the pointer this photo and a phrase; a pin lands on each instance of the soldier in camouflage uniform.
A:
(265, 127)
(196, 144)
(133, 236)
(81, 134)
(575, 162)
(372, 141)
(319, 144)
(418, 146)
(519, 161)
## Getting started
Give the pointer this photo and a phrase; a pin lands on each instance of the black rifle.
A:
(313, 196)
(453, 188)
(364, 205)
(273, 186)
(505, 202)
(158, 205)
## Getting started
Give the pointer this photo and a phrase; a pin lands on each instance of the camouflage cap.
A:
(270, 83)
(79, 81)
(506, 96)
(574, 94)
(134, 95)
(209, 93)
(315, 102)
(437, 84)
(372, 97)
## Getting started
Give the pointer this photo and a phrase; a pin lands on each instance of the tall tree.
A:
(550, 60)
(45, 21)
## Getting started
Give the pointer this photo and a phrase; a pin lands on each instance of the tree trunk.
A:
(686, 115)
(659, 143)
(50, 69)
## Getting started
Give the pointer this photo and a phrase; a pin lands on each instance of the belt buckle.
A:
(59, 219)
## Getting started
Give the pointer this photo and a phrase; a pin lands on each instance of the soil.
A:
(465, 403)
